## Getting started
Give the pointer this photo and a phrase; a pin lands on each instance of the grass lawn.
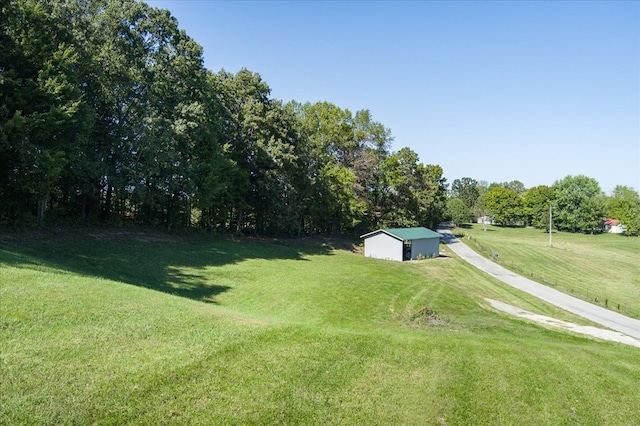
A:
(145, 328)
(601, 269)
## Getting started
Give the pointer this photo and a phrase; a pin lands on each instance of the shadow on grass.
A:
(177, 265)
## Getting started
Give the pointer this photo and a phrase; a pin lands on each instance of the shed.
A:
(613, 226)
(401, 243)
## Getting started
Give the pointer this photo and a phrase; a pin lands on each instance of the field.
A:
(601, 269)
(138, 327)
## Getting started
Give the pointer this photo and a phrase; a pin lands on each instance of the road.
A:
(602, 316)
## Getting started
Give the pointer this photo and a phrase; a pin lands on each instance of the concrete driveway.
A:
(605, 317)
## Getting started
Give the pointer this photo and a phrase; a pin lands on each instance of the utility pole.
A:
(550, 226)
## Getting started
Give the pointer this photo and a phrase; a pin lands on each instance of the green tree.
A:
(458, 211)
(175, 121)
(330, 204)
(416, 194)
(432, 194)
(579, 204)
(480, 208)
(370, 150)
(122, 174)
(262, 136)
(346, 157)
(536, 202)
(402, 180)
(504, 204)
(624, 205)
(108, 113)
(41, 104)
(516, 185)
(221, 183)
(466, 189)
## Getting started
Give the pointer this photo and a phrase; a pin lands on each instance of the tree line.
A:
(574, 203)
(107, 114)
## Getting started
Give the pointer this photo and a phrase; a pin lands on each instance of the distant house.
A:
(485, 220)
(613, 226)
(401, 243)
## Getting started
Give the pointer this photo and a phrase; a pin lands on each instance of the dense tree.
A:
(480, 208)
(330, 203)
(404, 178)
(579, 204)
(536, 202)
(263, 140)
(107, 114)
(458, 212)
(624, 205)
(516, 185)
(371, 141)
(504, 205)
(433, 194)
(466, 189)
(41, 105)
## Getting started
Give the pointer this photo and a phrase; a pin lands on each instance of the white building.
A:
(402, 244)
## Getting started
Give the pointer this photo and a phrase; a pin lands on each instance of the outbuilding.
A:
(401, 243)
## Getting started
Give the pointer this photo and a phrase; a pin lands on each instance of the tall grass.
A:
(601, 269)
(132, 330)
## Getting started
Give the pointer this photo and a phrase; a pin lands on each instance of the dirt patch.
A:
(600, 333)
(427, 317)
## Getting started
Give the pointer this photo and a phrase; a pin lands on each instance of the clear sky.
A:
(497, 91)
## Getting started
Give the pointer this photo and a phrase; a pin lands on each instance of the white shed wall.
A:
(428, 247)
(383, 246)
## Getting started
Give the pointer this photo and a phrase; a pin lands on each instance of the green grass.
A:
(136, 329)
(601, 269)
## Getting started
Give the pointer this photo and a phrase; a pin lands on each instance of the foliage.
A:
(515, 185)
(504, 205)
(416, 193)
(579, 204)
(536, 202)
(41, 106)
(109, 115)
(466, 189)
(458, 212)
(624, 204)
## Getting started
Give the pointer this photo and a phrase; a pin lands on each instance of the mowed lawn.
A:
(602, 269)
(132, 327)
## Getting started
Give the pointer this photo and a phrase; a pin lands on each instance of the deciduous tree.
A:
(41, 105)
(504, 204)
(458, 211)
(536, 202)
(624, 205)
(466, 189)
(579, 204)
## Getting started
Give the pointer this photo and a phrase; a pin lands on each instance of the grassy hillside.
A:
(601, 269)
(144, 328)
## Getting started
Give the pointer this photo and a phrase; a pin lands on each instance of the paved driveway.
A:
(605, 317)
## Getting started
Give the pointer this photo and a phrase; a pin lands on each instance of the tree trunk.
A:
(107, 204)
(42, 208)
(170, 202)
(239, 222)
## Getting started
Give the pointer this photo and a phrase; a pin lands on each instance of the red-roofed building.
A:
(613, 226)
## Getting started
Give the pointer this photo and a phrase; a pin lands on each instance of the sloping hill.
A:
(151, 329)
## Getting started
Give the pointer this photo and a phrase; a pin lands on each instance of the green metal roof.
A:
(405, 234)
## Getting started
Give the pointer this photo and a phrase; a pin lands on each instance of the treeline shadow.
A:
(169, 263)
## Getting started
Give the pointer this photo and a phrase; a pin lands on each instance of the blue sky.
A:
(497, 91)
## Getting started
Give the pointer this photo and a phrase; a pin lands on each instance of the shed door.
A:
(407, 251)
